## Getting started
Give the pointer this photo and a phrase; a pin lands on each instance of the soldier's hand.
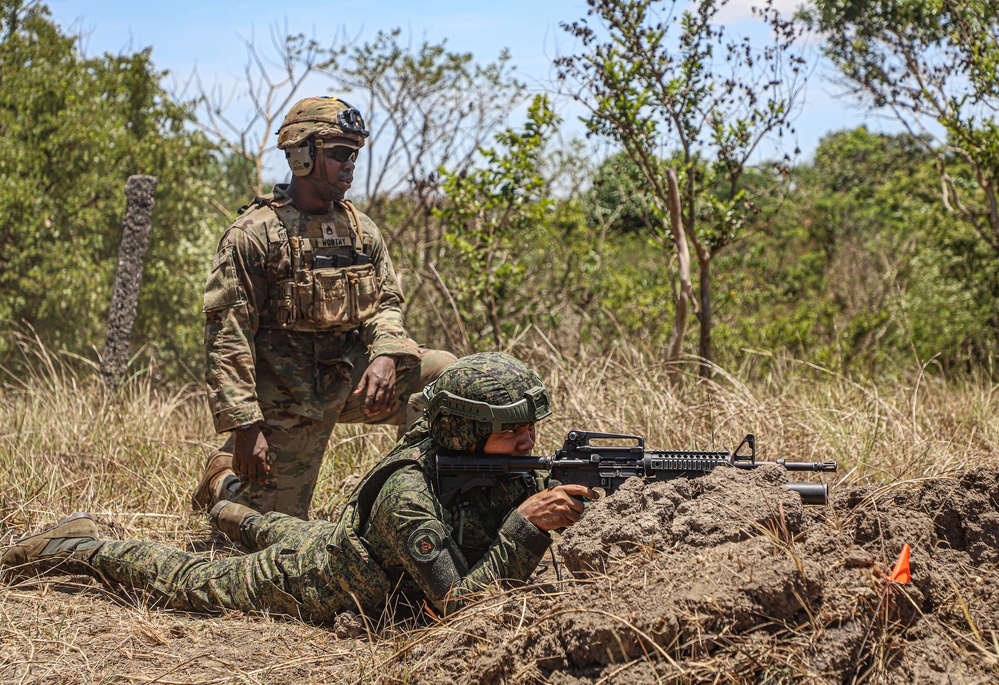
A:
(379, 383)
(249, 455)
(557, 507)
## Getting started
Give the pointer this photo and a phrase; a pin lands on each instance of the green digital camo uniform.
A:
(394, 532)
(288, 337)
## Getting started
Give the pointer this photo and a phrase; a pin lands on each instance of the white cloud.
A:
(741, 10)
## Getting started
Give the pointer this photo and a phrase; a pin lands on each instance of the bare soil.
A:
(729, 578)
(726, 578)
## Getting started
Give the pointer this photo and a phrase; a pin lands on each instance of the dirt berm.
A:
(729, 578)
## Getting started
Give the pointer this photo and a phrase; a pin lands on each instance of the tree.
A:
(494, 211)
(928, 60)
(272, 83)
(863, 270)
(428, 108)
(619, 197)
(72, 130)
(712, 99)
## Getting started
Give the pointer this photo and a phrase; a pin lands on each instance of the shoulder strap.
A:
(252, 204)
(260, 201)
(256, 203)
(372, 485)
(284, 213)
(355, 218)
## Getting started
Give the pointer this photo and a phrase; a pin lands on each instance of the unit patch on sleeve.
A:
(425, 544)
(221, 256)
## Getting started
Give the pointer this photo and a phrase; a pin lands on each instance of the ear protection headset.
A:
(301, 158)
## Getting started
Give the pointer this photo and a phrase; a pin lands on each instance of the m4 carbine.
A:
(607, 460)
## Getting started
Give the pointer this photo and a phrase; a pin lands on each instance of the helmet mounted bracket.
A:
(533, 406)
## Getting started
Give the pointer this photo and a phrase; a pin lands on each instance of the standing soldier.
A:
(303, 323)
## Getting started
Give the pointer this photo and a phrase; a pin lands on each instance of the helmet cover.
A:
(322, 117)
(482, 394)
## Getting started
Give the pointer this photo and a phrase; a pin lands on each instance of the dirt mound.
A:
(729, 578)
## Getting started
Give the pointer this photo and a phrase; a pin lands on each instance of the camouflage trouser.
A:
(296, 443)
(289, 576)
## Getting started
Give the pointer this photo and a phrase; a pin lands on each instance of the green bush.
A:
(73, 130)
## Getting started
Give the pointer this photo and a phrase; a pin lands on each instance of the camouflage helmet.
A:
(481, 394)
(322, 117)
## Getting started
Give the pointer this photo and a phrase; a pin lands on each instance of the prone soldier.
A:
(394, 532)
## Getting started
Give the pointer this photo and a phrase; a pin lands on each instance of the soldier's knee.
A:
(433, 363)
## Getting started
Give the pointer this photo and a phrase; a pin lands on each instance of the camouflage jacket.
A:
(396, 533)
(260, 254)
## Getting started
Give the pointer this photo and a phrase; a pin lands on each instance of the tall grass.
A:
(132, 457)
(916, 425)
(67, 443)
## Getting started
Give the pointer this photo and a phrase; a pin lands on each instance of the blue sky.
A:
(210, 36)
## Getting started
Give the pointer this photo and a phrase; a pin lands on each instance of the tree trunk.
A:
(686, 295)
(704, 347)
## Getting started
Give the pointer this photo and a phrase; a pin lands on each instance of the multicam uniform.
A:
(394, 532)
(296, 306)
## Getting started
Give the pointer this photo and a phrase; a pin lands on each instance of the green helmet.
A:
(481, 394)
(322, 117)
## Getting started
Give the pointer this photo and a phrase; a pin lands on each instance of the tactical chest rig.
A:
(333, 284)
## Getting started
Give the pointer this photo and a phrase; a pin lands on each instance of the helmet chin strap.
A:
(317, 153)
(480, 446)
(319, 160)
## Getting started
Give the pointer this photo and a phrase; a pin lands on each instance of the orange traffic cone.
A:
(900, 574)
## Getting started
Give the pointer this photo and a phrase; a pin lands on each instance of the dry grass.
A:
(132, 457)
(883, 431)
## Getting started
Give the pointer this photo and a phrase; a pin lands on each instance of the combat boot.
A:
(218, 469)
(239, 523)
(67, 547)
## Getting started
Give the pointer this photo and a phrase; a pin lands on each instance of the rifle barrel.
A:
(824, 466)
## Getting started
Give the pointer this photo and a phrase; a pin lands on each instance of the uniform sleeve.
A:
(384, 333)
(407, 528)
(235, 293)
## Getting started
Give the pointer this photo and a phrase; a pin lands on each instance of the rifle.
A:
(607, 460)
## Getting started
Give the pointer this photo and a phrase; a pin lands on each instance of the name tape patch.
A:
(333, 242)
(329, 236)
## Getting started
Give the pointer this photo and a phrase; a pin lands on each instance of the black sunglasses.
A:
(341, 153)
